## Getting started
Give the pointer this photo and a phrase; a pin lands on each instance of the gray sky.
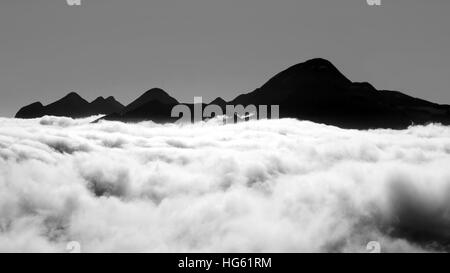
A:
(215, 47)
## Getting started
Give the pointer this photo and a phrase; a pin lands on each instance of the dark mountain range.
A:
(72, 106)
(314, 90)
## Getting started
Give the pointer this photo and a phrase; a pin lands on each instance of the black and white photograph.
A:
(224, 126)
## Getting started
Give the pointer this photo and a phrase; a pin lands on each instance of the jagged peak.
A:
(98, 99)
(102, 99)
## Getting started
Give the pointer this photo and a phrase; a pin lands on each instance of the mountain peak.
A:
(105, 106)
(319, 61)
(154, 94)
(36, 104)
(156, 90)
(319, 67)
(99, 99)
(307, 79)
(103, 99)
(218, 101)
(73, 95)
(30, 111)
(314, 71)
(160, 95)
(70, 100)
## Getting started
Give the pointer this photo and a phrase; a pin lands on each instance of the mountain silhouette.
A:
(317, 91)
(155, 94)
(155, 105)
(304, 79)
(33, 110)
(72, 105)
(219, 101)
(314, 90)
(106, 106)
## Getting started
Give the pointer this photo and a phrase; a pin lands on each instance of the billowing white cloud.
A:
(260, 186)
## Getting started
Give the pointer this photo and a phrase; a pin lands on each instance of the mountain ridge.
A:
(71, 105)
(314, 90)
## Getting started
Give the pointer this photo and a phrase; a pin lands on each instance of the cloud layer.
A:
(260, 186)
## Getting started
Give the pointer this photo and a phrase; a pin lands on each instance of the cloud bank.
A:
(260, 186)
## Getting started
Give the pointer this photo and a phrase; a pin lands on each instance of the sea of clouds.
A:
(259, 186)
